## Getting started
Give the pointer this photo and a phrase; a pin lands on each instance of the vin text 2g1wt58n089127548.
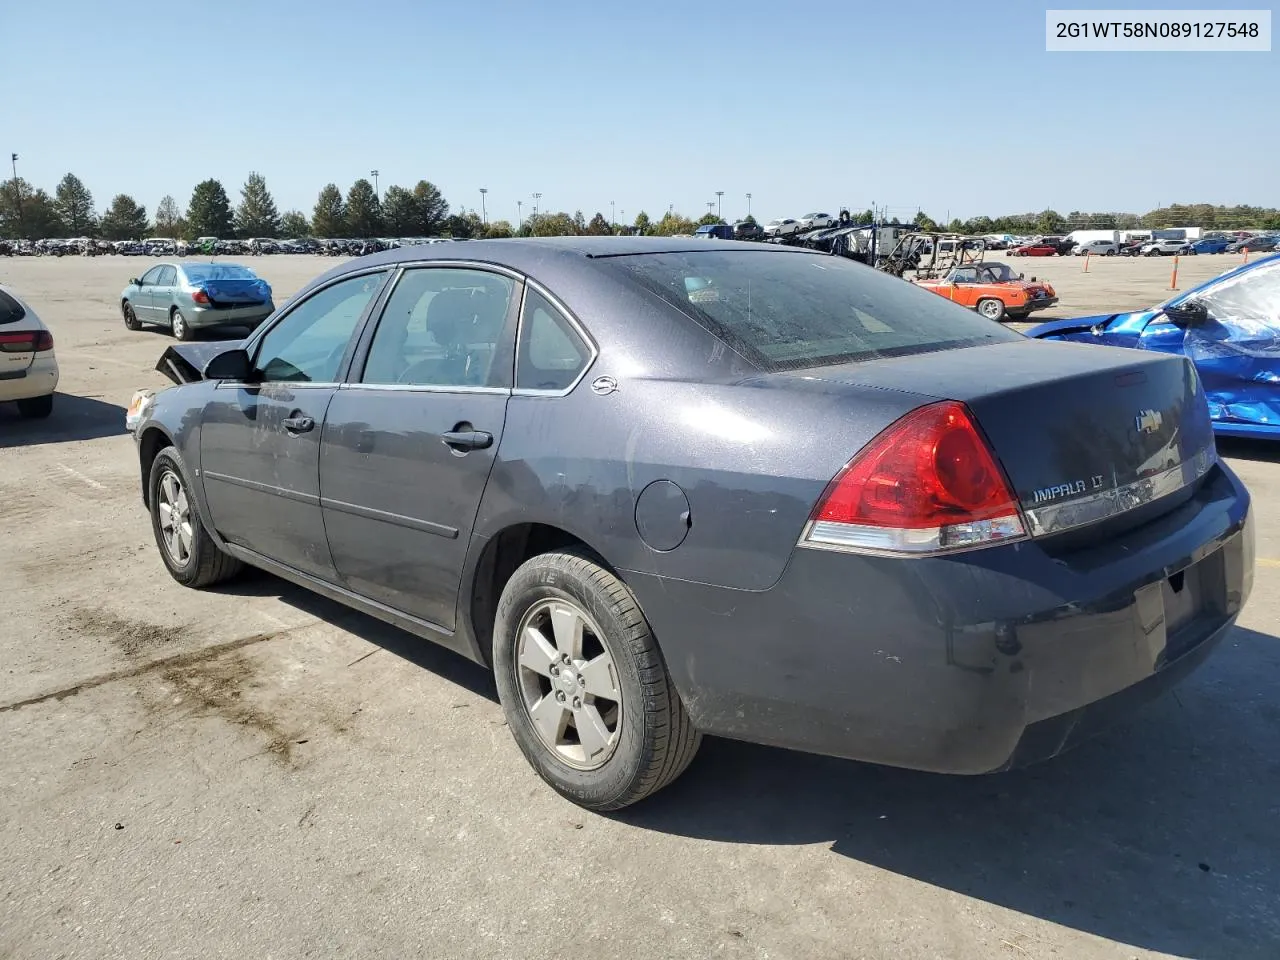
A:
(674, 487)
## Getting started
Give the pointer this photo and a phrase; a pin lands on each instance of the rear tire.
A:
(644, 737)
(181, 329)
(187, 549)
(36, 408)
(130, 318)
(991, 308)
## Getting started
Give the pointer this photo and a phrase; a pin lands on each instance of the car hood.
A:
(186, 362)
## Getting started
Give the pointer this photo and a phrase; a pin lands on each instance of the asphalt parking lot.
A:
(257, 772)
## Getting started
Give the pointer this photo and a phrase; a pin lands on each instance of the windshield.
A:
(217, 271)
(1253, 293)
(787, 311)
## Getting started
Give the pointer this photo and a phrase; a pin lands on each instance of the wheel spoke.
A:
(567, 627)
(592, 732)
(166, 515)
(550, 719)
(169, 488)
(184, 539)
(599, 677)
(537, 653)
(181, 503)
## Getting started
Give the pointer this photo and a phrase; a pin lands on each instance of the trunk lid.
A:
(17, 350)
(235, 293)
(1084, 433)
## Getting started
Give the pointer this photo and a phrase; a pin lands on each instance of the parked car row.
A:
(207, 246)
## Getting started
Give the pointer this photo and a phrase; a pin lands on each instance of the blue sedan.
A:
(1230, 329)
(1211, 245)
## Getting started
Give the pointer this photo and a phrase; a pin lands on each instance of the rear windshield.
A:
(787, 311)
(217, 271)
(10, 309)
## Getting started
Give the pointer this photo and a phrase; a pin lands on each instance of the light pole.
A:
(719, 194)
(17, 193)
(484, 216)
(710, 204)
(613, 213)
(536, 198)
(748, 204)
(374, 174)
(519, 213)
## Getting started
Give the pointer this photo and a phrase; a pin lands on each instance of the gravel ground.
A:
(256, 772)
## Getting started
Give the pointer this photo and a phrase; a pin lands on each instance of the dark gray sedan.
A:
(672, 487)
(187, 297)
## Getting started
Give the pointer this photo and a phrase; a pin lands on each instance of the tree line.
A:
(31, 213)
(1050, 222)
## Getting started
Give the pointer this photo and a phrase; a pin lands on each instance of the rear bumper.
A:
(37, 380)
(1041, 303)
(228, 316)
(968, 664)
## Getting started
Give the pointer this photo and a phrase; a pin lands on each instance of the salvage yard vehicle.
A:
(186, 297)
(1229, 327)
(811, 221)
(782, 228)
(994, 290)
(1210, 245)
(1036, 248)
(1164, 248)
(669, 488)
(28, 367)
(1097, 248)
(1253, 245)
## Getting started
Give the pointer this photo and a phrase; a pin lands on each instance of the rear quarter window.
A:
(11, 311)
(786, 311)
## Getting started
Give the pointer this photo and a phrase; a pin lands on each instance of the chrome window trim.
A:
(290, 384)
(1105, 504)
(420, 388)
(593, 352)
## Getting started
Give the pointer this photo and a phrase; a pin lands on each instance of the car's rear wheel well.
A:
(502, 556)
(150, 444)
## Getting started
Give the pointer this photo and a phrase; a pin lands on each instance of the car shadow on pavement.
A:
(73, 418)
(444, 663)
(1162, 833)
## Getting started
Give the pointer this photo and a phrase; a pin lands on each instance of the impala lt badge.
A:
(1148, 421)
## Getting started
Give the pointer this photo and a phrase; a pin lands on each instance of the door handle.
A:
(466, 439)
(298, 424)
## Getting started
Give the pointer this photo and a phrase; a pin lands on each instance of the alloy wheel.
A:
(174, 510)
(568, 683)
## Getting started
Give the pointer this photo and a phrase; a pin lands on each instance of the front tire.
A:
(130, 318)
(583, 684)
(36, 408)
(187, 549)
(181, 329)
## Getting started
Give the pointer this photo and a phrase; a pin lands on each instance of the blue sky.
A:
(949, 106)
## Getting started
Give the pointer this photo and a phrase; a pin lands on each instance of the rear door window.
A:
(794, 310)
(11, 311)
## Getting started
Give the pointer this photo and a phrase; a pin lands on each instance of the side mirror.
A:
(1189, 313)
(135, 281)
(232, 365)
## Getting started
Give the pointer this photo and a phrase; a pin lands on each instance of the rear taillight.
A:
(926, 484)
(199, 296)
(44, 341)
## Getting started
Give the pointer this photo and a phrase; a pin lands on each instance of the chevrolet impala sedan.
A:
(666, 488)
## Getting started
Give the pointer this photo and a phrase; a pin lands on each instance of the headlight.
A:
(139, 407)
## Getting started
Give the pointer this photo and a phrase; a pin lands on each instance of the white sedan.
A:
(782, 228)
(812, 221)
(28, 369)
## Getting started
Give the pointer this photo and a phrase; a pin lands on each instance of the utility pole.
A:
(484, 215)
(17, 193)
(719, 194)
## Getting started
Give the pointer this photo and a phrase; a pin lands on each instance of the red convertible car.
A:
(1035, 250)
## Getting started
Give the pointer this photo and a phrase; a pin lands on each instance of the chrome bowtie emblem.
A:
(1148, 421)
(603, 386)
